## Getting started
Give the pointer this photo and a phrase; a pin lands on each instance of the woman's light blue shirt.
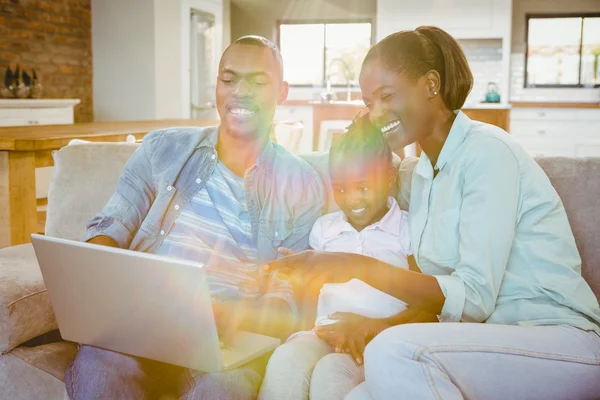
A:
(493, 231)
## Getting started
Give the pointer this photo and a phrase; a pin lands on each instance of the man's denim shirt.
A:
(284, 194)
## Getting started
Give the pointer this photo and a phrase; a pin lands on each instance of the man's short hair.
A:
(259, 41)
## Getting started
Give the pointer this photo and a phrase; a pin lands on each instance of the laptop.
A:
(139, 304)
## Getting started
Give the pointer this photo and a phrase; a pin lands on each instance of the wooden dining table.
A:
(25, 148)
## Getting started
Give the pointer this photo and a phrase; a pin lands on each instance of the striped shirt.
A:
(215, 229)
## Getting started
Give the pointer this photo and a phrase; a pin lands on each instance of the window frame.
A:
(557, 15)
(323, 22)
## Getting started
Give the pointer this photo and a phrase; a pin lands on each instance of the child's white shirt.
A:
(387, 240)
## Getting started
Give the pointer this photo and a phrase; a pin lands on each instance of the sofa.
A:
(33, 358)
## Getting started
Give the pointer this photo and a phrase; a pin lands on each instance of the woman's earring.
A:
(435, 93)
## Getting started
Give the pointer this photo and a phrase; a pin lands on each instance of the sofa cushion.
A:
(320, 162)
(85, 176)
(52, 358)
(25, 309)
(577, 181)
(35, 373)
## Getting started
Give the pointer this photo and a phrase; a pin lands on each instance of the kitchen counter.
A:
(487, 106)
(359, 103)
(492, 113)
(318, 103)
(545, 104)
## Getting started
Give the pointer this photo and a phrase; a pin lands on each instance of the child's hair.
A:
(362, 140)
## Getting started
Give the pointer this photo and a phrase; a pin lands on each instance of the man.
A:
(225, 196)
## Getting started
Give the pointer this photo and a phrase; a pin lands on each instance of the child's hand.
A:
(351, 333)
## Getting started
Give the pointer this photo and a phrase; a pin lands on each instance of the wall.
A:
(226, 23)
(138, 58)
(522, 7)
(259, 17)
(485, 60)
(54, 38)
(167, 58)
(124, 69)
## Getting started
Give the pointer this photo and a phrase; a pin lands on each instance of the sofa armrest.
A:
(25, 308)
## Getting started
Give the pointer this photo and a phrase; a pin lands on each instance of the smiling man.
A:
(224, 196)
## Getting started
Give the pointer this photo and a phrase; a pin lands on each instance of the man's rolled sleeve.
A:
(104, 224)
(126, 209)
(455, 293)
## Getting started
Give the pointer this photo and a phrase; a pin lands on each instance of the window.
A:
(563, 51)
(314, 52)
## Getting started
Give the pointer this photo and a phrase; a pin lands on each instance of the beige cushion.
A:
(85, 176)
(320, 163)
(36, 372)
(577, 181)
(25, 309)
(52, 358)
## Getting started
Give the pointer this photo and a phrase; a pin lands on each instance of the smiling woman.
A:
(499, 263)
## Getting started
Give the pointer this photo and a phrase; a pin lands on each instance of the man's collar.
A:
(210, 138)
(266, 158)
(264, 161)
(456, 137)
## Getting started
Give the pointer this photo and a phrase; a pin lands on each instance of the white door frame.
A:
(214, 7)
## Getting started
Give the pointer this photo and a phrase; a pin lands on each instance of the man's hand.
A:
(228, 317)
(103, 241)
(351, 333)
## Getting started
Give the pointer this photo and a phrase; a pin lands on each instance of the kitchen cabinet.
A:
(496, 116)
(463, 19)
(301, 113)
(569, 132)
(335, 111)
(17, 112)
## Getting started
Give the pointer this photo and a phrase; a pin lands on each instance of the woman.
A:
(491, 237)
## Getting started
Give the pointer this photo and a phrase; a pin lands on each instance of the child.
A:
(370, 223)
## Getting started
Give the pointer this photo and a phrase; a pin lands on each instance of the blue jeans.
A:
(103, 374)
(456, 361)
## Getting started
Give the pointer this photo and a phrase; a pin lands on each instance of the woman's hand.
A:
(310, 270)
(351, 333)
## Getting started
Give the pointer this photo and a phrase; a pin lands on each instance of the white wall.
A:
(520, 9)
(226, 23)
(138, 58)
(483, 25)
(123, 60)
(167, 58)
